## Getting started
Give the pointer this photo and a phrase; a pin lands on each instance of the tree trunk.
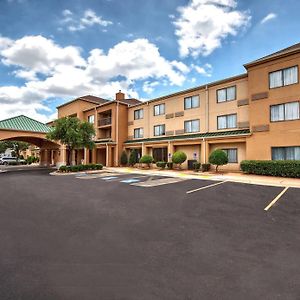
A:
(68, 155)
(217, 168)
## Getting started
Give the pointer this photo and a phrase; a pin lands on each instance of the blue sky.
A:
(53, 51)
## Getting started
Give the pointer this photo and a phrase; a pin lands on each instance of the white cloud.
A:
(206, 70)
(51, 71)
(89, 19)
(203, 25)
(268, 18)
(148, 87)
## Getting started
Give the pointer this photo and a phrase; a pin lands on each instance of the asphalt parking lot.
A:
(112, 236)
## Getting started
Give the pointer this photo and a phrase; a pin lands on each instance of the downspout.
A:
(117, 135)
(204, 150)
(207, 107)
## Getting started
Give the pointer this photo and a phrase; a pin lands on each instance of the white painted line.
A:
(276, 199)
(206, 187)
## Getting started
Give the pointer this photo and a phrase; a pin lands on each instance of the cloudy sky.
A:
(52, 50)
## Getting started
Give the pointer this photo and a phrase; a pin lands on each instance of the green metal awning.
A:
(192, 136)
(24, 123)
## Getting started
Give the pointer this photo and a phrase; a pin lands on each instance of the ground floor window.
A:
(286, 153)
(160, 154)
(232, 155)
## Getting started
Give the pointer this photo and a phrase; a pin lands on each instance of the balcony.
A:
(104, 122)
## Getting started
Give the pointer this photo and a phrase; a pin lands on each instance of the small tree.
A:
(124, 159)
(133, 158)
(179, 157)
(146, 159)
(218, 158)
(73, 133)
(16, 147)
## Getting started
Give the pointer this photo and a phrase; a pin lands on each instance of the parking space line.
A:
(206, 187)
(276, 199)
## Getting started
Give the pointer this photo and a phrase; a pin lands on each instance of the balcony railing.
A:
(104, 121)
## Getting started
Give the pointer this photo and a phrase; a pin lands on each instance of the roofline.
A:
(107, 103)
(204, 86)
(271, 57)
(80, 98)
(22, 130)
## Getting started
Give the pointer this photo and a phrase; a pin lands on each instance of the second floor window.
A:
(159, 130)
(285, 112)
(227, 121)
(192, 126)
(227, 94)
(283, 77)
(159, 109)
(138, 133)
(91, 119)
(138, 114)
(191, 102)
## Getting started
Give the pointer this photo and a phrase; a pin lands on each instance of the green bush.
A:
(219, 158)
(170, 165)
(197, 166)
(133, 158)
(146, 159)
(63, 169)
(161, 164)
(79, 168)
(205, 167)
(124, 159)
(179, 157)
(282, 168)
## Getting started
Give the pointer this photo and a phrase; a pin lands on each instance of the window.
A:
(139, 114)
(159, 109)
(191, 102)
(285, 112)
(138, 133)
(228, 121)
(159, 130)
(91, 119)
(227, 94)
(285, 153)
(160, 154)
(283, 77)
(192, 126)
(231, 154)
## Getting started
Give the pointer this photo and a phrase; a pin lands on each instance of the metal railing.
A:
(104, 121)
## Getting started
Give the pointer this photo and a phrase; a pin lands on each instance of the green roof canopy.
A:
(24, 123)
(192, 136)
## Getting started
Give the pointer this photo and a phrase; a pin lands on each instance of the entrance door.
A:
(160, 154)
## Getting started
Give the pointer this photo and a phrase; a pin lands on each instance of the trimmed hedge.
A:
(205, 167)
(78, 168)
(179, 157)
(161, 164)
(170, 165)
(282, 168)
(197, 166)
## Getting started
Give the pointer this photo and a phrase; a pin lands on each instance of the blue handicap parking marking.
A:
(130, 180)
(109, 178)
(81, 175)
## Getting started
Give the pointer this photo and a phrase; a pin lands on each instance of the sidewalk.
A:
(233, 177)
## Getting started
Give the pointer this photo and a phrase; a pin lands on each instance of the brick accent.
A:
(170, 132)
(260, 96)
(243, 125)
(179, 114)
(169, 116)
(260, 128)
(243, 102)
(130, 123)
(180, 131)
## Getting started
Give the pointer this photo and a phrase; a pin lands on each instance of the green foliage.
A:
(146, 159)
(15, 146)
(161, 164)
(79, 168)
(205, 167)
(219, 158)
(179, 157)
(73, 133)
(197, 166)
(282, 168)
(133, 158)
(124, 159)
(170, 165)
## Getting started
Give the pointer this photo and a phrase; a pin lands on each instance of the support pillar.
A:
(86, 156)
(94, 156)
(107, 156)
(144, 149)
(170, 151)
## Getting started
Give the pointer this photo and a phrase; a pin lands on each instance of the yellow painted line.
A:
(206, 187)
(276, 199)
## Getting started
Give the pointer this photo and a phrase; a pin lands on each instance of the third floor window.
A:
(159, 109)
(159, 130)
(91, 119)
(139, 114)
(191, 102)
(283, 77)
(285, 112)
(227, 94)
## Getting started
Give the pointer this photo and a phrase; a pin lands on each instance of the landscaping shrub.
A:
(146, 159)
(219, 158)
(179, 157)
(205, 167)
(282, 168)
(197, 166)
(170, 165)
(78, 168)
(133, 158)
(161, 164)
(124, 159)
